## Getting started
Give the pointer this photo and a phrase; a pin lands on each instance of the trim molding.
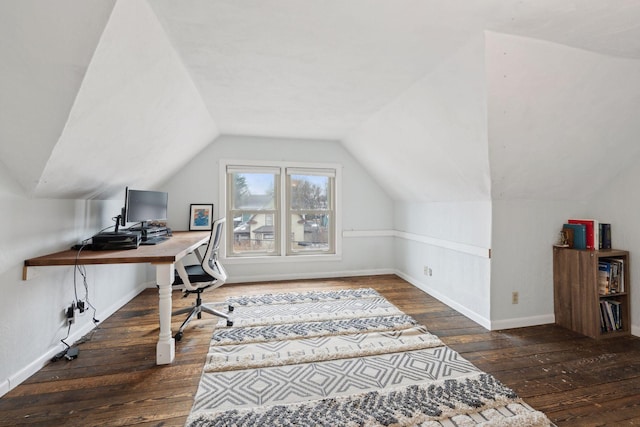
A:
(446, 244)
(37, 364)
(522, 322)
(428, 240)
(479, 319)
(312, 275)
(519, 322)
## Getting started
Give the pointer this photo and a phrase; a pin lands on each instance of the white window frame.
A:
(282, 216)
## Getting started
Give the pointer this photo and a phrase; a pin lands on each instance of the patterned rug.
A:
(343, 358)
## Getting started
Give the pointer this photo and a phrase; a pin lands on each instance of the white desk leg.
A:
(166, 347)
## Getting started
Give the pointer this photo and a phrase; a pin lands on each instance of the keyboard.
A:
(154, 240)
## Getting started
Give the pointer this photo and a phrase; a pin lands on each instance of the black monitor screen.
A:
(146, 205)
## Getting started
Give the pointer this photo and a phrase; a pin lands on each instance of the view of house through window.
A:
(280, 211)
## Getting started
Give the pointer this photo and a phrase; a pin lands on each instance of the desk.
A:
(163, 256)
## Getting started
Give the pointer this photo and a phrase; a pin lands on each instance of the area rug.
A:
(343, 358)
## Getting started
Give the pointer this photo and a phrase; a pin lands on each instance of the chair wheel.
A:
(230, 308)
(229, 322)
(178, 336)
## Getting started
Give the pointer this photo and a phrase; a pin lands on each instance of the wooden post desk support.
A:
(576, 296)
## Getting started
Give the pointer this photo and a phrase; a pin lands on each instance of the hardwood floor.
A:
(576, 381)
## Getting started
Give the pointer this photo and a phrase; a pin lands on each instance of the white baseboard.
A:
(482, 321)
(519, 322)
(313, 275)
(37, 364)
(522, 322)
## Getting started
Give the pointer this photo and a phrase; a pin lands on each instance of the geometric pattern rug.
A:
(343, 358)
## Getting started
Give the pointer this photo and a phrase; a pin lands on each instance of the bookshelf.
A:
(577, 292)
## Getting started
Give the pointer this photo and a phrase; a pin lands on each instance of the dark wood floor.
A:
(575, 380)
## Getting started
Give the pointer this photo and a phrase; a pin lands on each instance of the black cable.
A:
(66, 350)
(83, 272)
(63, 339)
(78, 268)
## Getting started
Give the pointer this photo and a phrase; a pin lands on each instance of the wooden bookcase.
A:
(576, 296)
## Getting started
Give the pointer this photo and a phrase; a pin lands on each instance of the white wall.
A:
(452, 239)
(555, 116)
(619, 204)
(367, 211)
(522, 259)
(31, 312)
(562, 125)
(436, 166)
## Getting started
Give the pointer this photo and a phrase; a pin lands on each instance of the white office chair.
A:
(195, 279)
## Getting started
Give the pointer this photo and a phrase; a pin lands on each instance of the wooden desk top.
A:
(179, 245)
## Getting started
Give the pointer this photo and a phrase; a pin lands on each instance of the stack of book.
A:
(610, 315)
(610, 276)
(587, 234)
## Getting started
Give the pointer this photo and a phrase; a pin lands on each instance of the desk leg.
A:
(166, 347)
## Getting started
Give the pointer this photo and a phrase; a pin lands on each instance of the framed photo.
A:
(200, 217)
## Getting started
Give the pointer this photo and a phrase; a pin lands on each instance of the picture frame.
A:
(200, 216)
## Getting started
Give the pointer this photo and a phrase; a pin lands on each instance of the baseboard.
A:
(522, 322)
(635, 330)
(37, 364)
(313, 275)
(482, 321)
(4, 388)
(42, 361)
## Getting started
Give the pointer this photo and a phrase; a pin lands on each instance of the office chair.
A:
(196, 278)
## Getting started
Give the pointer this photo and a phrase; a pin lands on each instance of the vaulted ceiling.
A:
(438, 99)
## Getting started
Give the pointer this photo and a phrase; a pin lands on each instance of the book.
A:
(607, 324)
(604, 277)
(610, 315)
(605, 236)
(616, 281)
(579, 235)
(593, 232)
(616, 311)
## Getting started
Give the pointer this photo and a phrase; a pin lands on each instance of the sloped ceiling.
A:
(102, 94)
(137, 112)
(45, 50)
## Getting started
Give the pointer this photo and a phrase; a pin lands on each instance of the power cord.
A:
(69, 352)
(83, 272)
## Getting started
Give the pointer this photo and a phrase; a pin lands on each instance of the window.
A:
(310, 210)
(280, 211)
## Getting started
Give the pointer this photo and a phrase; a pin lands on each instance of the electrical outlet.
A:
(70, 313)
(514, 298)
(428, 271)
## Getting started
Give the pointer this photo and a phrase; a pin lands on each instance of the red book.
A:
(593, 238)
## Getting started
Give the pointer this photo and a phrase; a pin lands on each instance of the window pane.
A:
(310, 232)
(309, 192)
(253, 191)
(254, 233)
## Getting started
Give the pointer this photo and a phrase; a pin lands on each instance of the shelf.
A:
(576, 291)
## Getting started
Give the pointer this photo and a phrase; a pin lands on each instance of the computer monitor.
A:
(143, 206)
